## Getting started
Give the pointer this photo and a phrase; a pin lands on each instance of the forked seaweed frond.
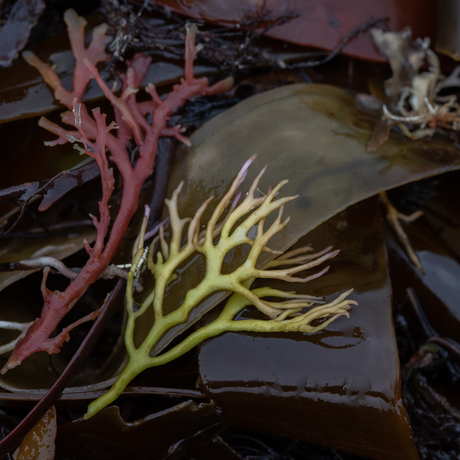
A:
(229, 226)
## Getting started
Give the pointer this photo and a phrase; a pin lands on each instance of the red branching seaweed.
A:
(145, 122)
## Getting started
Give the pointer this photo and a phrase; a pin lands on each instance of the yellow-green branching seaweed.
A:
(221, 235)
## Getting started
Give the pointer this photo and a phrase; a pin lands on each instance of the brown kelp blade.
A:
(311, 134)
(343, 376)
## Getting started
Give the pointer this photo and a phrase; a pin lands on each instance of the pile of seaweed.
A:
(380, 384)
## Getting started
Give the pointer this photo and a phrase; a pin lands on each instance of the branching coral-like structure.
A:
(144, 122)
(417, 107)
(165, 258)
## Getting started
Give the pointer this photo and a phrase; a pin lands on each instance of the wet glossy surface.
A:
(339, 387)
(176, 431)
(39, 442)
(307, 134)
(20, 303)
